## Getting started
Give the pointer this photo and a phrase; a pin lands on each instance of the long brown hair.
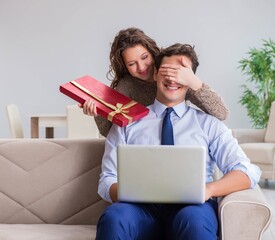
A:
(126, 38)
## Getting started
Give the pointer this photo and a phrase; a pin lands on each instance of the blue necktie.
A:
(167, 136)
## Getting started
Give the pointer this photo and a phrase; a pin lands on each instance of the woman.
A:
(132, 68)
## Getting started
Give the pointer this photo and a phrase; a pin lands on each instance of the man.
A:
(190, 126)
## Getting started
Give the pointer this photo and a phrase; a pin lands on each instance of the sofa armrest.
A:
(249, 135)
(244, 215)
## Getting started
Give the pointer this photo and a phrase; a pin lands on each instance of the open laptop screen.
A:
(161, 174)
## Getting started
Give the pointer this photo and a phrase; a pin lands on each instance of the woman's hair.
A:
(126, 38)
(178, 49)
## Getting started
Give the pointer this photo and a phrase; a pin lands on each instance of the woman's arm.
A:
(209, 101)
(103, 125)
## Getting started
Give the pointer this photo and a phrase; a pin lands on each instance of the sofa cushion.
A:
(263, 153)
(47, 232)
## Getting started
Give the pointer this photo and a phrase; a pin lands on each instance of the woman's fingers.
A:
(89, 108)
(185, 63)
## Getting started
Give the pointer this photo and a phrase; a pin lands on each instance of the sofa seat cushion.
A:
(263, 153)
(47, 232)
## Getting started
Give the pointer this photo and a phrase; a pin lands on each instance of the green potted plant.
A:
(259, 66)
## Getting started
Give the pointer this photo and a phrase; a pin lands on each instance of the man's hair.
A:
(181, 50)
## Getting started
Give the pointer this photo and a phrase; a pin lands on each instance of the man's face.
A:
(168, 92)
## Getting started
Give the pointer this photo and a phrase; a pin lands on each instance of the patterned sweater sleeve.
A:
(103, 125)
(209, 101)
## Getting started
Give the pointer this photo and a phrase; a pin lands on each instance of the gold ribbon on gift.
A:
(119, 108)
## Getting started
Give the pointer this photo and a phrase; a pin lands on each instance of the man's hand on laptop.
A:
(208, 192)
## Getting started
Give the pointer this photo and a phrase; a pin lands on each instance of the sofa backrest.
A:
(50, 180)
(270, 130)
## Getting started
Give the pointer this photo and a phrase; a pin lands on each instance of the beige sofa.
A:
(48, 191)
(259, 145)
(260, 152)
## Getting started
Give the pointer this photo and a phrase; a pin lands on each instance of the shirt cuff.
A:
(252, 171)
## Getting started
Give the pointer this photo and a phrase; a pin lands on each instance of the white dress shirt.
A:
(191, 127)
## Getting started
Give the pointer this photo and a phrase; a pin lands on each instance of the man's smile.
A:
(171, 86)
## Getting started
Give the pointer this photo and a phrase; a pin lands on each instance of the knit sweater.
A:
(144, 92)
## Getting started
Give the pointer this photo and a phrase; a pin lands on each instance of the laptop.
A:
(161, 173)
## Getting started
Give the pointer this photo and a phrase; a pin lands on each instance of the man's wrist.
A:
(113, 192)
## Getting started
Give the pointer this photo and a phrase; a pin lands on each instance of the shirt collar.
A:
(179, 109)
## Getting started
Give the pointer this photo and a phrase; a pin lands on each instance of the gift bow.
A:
(119, 108)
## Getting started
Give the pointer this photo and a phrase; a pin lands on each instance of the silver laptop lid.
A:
(161, 174)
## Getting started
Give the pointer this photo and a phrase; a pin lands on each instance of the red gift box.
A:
(110, 104)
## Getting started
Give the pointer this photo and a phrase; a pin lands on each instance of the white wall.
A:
(44, 43)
